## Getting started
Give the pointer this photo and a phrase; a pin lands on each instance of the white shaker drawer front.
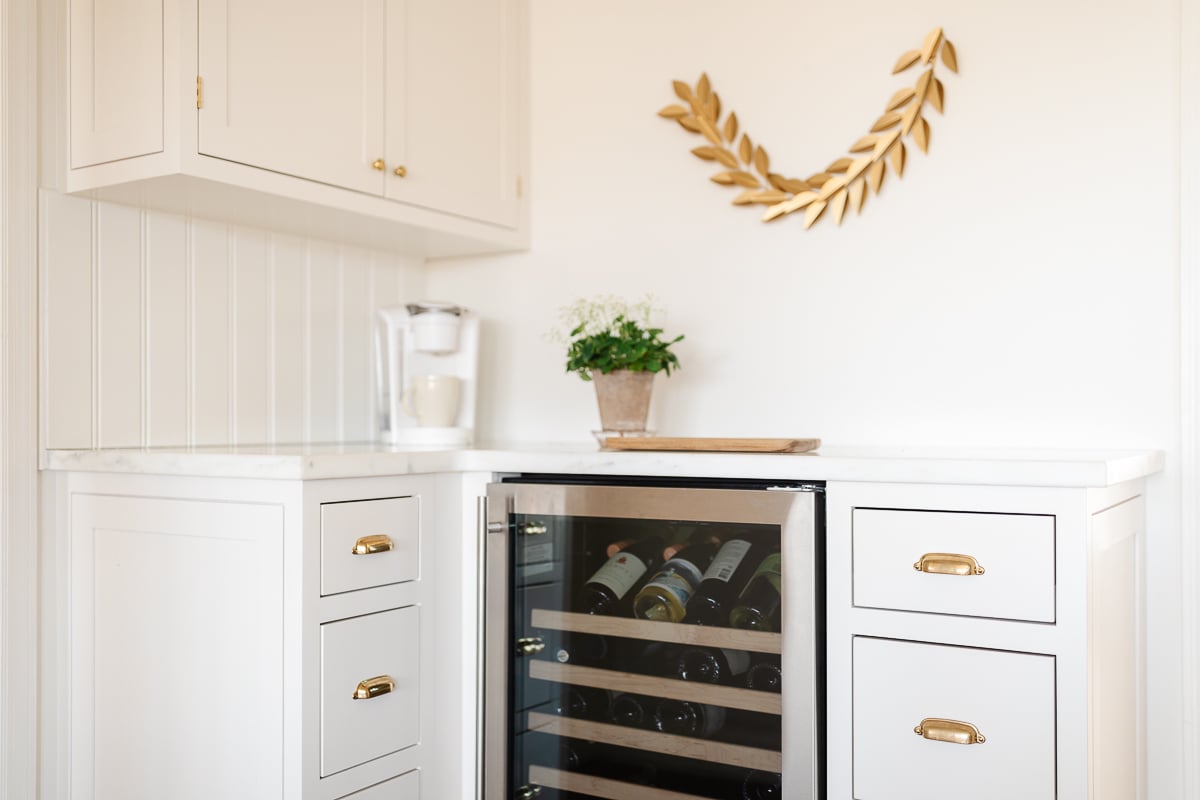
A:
(934, 722)
(369, 543)
(370, 687)
(405, 787)
(975, 565)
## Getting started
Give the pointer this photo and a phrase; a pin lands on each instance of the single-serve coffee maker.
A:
(427, 361)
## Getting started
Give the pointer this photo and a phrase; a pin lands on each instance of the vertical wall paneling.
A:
(167, 387)
(159, 330)
(118, 293)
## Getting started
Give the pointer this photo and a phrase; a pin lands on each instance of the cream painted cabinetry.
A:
(984, 642)
(394, 122)
(200, 652)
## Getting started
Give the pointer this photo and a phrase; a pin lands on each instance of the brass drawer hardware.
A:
(400, 171)
(532, 528)
(948, 564)
(378, 164)
(527, 792)
(530, 645)
(949, 730)
(374, 687)
(367, 545)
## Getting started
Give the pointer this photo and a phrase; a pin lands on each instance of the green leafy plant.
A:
(609, 334)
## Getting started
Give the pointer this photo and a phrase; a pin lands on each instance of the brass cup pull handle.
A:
(378, 164)
(530, 645)
(532, 528)
(948, 564)
(367, 545)
(949, 730)
(374, 687)
(400, 171)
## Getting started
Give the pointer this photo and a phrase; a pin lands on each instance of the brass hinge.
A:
(520, 189)
(199, 92)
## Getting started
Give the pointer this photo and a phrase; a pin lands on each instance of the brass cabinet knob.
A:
(400, 171)
(530, 645)
(378, 164)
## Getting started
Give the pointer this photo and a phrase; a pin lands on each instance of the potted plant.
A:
(613, 344)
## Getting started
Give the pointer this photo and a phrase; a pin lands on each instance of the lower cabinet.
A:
(218, 639)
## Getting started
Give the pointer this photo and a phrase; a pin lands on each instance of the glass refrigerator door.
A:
(645, 656)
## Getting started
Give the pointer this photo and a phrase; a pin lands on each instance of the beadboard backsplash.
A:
(159, 329)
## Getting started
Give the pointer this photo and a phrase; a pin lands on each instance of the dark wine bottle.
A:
(665, 596)
(586, 702)
(712, 665)
(765, 675)
(684, 718)
(631, 710)
(606, 591)
(758, 606)
(729, 571)
(762, 786)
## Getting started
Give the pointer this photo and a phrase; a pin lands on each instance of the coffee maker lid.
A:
(434, 307)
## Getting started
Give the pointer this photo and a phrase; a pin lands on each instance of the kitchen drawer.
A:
(1015, 554)
(405, 787)
(376, 646)
(1008, 697)
(387, 532)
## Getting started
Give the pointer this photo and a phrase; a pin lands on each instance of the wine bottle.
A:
(712, 665)
(758, 606)
(630, 710)
(729, 571)
(606, 590)
(765, 675)
(586, 702)
(762, 786)
(665, 596)
(684, 718)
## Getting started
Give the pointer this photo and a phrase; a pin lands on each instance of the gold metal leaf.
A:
(905, 61)
(910, 116)
(839, 166)
(745, 198)
(704, 88)
(691, 123)
(922, 87)
(888, 120)
(793, 185)
(858, 195)
(832, 186)
(742, 178)
(900, 99)
(949, 56)
(937, 94)
(858, 167)
(885, 141)
(673, 112)
(837, 206)
(731, 128)
(746, 149)
(762, 161)
(723, 178)
(875, 175)
(716, 108)
(921, 134)
(930, 47)
(813, 213)
(709, 131)
(707, 153)
(710, 109)
(819, 180)
(899, 154)
(864, 144)
(726, 158)
(682, 90)
(788, 206)
(770, 197)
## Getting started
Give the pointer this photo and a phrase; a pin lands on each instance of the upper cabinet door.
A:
(453, 71)
(116, 107)
(295, 86)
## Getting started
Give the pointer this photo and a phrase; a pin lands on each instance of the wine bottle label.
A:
(727, 560)
(677, 577)
(620, 573)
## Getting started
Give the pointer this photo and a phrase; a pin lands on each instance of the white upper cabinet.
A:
(390, 123)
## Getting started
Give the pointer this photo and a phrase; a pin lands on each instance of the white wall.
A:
(1017, 287)
(164, 330)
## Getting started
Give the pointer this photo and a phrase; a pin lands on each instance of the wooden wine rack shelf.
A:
(600, 787)
(734, 755)
(704, 636)
(728, 696)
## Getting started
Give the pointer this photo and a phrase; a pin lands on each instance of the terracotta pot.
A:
(624, 399)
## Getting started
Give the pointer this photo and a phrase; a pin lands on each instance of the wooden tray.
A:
(709, 444)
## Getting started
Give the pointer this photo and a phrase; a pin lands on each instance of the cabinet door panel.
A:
(295, 86)
(116, 80)
(452, 121)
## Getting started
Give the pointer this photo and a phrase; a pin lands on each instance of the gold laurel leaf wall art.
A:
(846, 183)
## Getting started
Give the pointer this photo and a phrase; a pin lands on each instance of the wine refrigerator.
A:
(651, 639)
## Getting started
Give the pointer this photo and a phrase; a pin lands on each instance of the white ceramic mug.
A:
(433, 400)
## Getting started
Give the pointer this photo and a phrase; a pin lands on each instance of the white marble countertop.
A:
(1009, 467)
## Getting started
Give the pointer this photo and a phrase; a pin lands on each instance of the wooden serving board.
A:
(711, 444)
